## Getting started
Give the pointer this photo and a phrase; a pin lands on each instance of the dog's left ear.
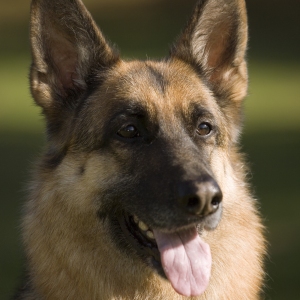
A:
(215, 42)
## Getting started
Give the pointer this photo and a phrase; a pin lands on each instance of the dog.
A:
(141, 192)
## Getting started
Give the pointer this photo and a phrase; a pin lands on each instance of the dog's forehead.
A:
(171, 85)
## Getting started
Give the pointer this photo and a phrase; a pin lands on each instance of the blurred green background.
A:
(145, 29)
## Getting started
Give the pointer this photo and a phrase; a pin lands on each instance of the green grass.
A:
(18, 112)
(272, 140)
(274, 157)
(274, 96)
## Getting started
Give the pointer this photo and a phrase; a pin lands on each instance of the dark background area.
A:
(145, 29)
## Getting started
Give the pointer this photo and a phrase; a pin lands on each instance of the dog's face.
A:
(145, 143)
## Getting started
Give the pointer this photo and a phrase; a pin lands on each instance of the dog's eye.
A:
(204, 129)
(129, 132)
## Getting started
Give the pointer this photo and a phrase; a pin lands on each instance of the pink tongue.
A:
(186, 260)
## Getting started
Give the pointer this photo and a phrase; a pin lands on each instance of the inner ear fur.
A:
(215, 42)
(67, 50)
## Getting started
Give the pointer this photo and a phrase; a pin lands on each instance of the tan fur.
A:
(70, 252)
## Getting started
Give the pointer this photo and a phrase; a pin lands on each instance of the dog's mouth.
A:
(180, 256)
(142, 238)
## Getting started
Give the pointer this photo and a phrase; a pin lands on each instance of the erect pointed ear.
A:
(215, 42)
(67, 49)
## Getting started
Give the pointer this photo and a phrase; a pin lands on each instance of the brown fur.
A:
(80, 82)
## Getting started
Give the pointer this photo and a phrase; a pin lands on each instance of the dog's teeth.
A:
(136, 219)
(143, 226)
(150, 234)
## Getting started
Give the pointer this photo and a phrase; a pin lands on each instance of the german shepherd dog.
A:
(141, 192)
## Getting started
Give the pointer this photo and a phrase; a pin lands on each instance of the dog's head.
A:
(145, 143)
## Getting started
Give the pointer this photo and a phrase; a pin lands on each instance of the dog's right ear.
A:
(67, 49)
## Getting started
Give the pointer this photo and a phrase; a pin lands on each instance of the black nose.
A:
(200, 197)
